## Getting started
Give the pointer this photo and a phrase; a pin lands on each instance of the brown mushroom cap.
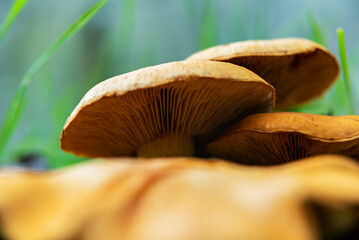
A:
(291, 65)
(273, 138)
(185, 198)
(165, 104)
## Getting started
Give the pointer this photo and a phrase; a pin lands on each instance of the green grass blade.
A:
(126, 34)
(345, 72)
(127, 20)
(318, 106)
(209, 28)
(8, 125)
(15, 9)
(316, 30)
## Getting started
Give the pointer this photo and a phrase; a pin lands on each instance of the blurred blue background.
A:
(129, 34)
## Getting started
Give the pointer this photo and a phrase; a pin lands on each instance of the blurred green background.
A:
(129, 34)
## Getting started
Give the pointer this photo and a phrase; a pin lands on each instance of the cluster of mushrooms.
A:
(175, 117)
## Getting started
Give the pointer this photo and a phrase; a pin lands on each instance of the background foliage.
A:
(129, 34)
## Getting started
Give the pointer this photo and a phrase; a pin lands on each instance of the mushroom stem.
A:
(173, 145)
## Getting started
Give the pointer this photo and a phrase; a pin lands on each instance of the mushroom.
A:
(158, 111)
(185, 198)
(274, 138)
(291, 65)
(53, 205)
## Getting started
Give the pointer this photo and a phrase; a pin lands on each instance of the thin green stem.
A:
(209, 29)
(345, 72)
(15, 9)
(316, 30)
(8, 124)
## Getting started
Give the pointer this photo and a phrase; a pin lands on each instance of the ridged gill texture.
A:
(299, 69)
(175, 99)
(274, 138)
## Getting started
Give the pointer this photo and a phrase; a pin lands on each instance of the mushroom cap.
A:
(273, 138)
(185, 198)
(291, 65)
(188, 98)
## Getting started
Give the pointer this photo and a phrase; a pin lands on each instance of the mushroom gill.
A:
(291, 65)
(157, 111)
(275, 138)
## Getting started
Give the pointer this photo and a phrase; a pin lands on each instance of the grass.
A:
(15, 9)
(209, 28)
(112, 57)
(12, 116)
(318, 106)
(345, 71)
(338, 100)
(315, 29)
(126, 33)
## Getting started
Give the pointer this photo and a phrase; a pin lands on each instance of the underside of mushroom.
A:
(259, 148)
(275, 138)
(163, 117)
(291, 65)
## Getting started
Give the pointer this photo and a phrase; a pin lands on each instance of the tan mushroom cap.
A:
(185, 198)
(299, 69)
(161, 109)
(273, 138)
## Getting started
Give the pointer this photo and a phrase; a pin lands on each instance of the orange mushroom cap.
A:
(273, 138)
(299, 69)
(165, 104)
(184, 198)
